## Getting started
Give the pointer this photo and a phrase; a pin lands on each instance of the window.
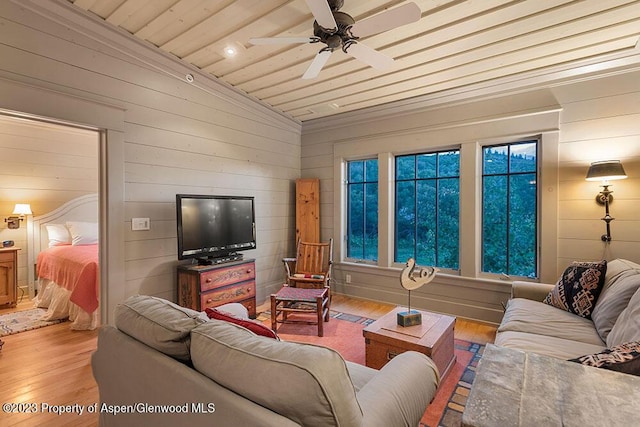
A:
(362, 209)
(509, 209)
(427, 208)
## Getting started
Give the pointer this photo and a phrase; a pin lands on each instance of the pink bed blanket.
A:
(74, 268)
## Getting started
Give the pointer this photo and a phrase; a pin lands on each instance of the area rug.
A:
(447, 406)
(343, 333)
(20, 321)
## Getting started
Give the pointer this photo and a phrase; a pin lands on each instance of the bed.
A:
(63, 259)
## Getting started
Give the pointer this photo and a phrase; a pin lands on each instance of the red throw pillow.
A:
(255, 327)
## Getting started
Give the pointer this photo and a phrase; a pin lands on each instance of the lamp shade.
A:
(22, 209)
(607, 170)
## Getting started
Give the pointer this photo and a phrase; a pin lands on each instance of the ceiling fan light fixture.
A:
(339, 30)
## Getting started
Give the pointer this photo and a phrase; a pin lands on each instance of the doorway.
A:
(47, 165)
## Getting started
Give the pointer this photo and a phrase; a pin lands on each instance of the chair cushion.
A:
(308, 276)
(579, 287)
(159, 323)
(306, 383)
(255, 327)
(621, 358)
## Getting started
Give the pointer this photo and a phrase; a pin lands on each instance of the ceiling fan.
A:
(339, 30)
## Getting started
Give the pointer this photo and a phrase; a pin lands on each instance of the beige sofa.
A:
(161, 357)
(531, 326)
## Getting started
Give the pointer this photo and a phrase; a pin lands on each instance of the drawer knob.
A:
(208, 280)
(209, 300)
(391, 354)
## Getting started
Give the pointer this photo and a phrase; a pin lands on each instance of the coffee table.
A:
(385, 339)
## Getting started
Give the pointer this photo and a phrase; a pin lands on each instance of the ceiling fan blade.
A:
(280, 40)
(322, 13)
(387, 20)
(318, 62)
(369, 56)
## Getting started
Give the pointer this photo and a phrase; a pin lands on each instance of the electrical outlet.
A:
(347, 278)
(140, 224)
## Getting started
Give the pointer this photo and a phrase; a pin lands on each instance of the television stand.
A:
(234, 256)
(209, 286)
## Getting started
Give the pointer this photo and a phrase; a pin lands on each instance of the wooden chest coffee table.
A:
(385, 339)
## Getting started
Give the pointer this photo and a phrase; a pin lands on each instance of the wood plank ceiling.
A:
(456, 44)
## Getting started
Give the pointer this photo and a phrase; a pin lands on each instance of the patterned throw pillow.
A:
(579, 287)
(255, 327)
(621, 358)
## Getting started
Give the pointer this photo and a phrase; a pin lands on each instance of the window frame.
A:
(416, 179)
(538, 210)
(470, 158)
(347, 210)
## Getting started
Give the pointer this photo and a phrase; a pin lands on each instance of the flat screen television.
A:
(214, 229)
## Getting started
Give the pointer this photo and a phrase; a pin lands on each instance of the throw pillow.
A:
(627, 326)
(612, 301)
(623, 358)
(255, 327)
(579, 287)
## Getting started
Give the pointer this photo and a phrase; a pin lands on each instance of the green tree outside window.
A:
(362, 209)
(427, 208)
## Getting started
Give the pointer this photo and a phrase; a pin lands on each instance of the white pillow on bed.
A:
(83, 233)
(58, 235)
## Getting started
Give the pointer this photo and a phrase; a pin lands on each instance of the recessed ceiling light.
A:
(232, 49)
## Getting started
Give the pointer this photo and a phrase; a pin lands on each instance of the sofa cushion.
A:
(618, 268)
(541, 344)
(159, 323)
(614, 298)
(621, 358)
(579, 287)
(524, 315)
(627, 327)
(305, 383)
(255, 327)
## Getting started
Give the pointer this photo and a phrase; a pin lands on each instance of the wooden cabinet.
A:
(308, 210)
(8, 276)
(385, 339)
(208, 286)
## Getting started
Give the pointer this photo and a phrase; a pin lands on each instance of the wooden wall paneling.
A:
(177, 137)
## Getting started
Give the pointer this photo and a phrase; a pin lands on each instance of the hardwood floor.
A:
(52, 366)
(47, 366)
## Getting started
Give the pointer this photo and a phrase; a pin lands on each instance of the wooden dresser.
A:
(9, 276)
(208, 286)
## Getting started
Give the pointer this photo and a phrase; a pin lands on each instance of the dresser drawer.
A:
(225, 276)
(6, 256)
(224, 295)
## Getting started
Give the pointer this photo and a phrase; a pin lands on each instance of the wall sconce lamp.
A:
(20, 210)
(606, 171)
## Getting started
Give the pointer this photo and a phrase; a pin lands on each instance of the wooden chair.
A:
(308, 287)
(311, 268)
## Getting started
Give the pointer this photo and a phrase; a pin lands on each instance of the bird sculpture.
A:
(412, 281)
